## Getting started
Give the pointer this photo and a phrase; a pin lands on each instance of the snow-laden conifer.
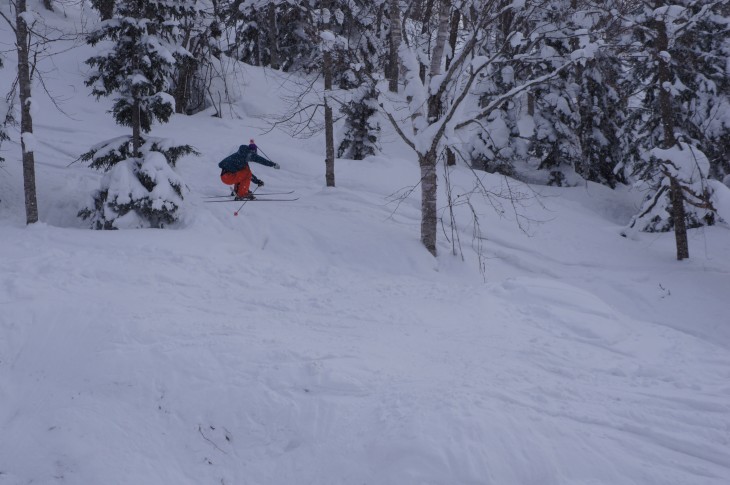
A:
(360, 134)
(690, 167)
(679, 72)
(281, 34)
(136, 62)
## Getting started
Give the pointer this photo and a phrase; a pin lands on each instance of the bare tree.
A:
(23, 45)
(328, 118)
(273, 41)
(395, 42)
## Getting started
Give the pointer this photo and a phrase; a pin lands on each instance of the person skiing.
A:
(235, 170)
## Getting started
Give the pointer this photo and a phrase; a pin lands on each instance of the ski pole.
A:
(265, 154)
(244, 202)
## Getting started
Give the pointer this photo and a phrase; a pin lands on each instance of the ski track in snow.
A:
(317, 343)
(381, 357)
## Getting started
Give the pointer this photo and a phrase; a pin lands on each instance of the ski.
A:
(257, 199)
(257, 193)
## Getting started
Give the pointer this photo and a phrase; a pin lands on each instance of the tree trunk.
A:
(136, 129)
(441, 36)
(665, 97)
(330, 145)
(181, 93)
(26, 120)
(396, 37)
(328, 118)
(667, 114)
(453, 36)
(679, 216)
(186, 68)
(273, 46)
(434, 101)
(429, 182)
(48, 4)
(424, 33)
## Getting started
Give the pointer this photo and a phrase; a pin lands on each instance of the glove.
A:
(260, 183)
(277, 166)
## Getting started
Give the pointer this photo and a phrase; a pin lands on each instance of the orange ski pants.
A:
(240, 180)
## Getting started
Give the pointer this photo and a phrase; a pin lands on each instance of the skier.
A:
(235, 170)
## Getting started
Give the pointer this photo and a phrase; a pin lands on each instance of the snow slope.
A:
(317, 342)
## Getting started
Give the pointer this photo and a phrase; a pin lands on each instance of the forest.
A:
(554, 92)
(460, 265)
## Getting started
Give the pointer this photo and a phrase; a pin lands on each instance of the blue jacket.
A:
(240, 160)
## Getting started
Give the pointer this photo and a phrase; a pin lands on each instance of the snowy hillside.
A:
(317, 342)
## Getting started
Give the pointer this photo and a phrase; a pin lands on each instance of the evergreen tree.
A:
(601, 111)
(105, 8)
(569, 124)
(138, 190)
(281, 34)
(199, 33)
(363, 54)
(360, 134)
(681, 76)
(555, 143)
(140, 65)
(539, 128)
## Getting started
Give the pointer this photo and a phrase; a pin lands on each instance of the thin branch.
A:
(200, 430)
(405, 138)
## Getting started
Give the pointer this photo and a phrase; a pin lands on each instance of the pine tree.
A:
(281, 34)
(364, 54)
(601, 111)
(139, 190)
(555, 143)
(360, 134)
(568, 125)
(515, 132)
(684, 108)
(498, 143)
(199, 33)
(105, 8)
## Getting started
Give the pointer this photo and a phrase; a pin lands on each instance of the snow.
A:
(516, 39)
(688, 163)
(30, 141)
(317, 342)
(28, 17)
(720, 198)
(32, 108)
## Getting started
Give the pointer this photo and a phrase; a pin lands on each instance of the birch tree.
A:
(22, 25)
(395, 41)
(476, 58)
(327, 45)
